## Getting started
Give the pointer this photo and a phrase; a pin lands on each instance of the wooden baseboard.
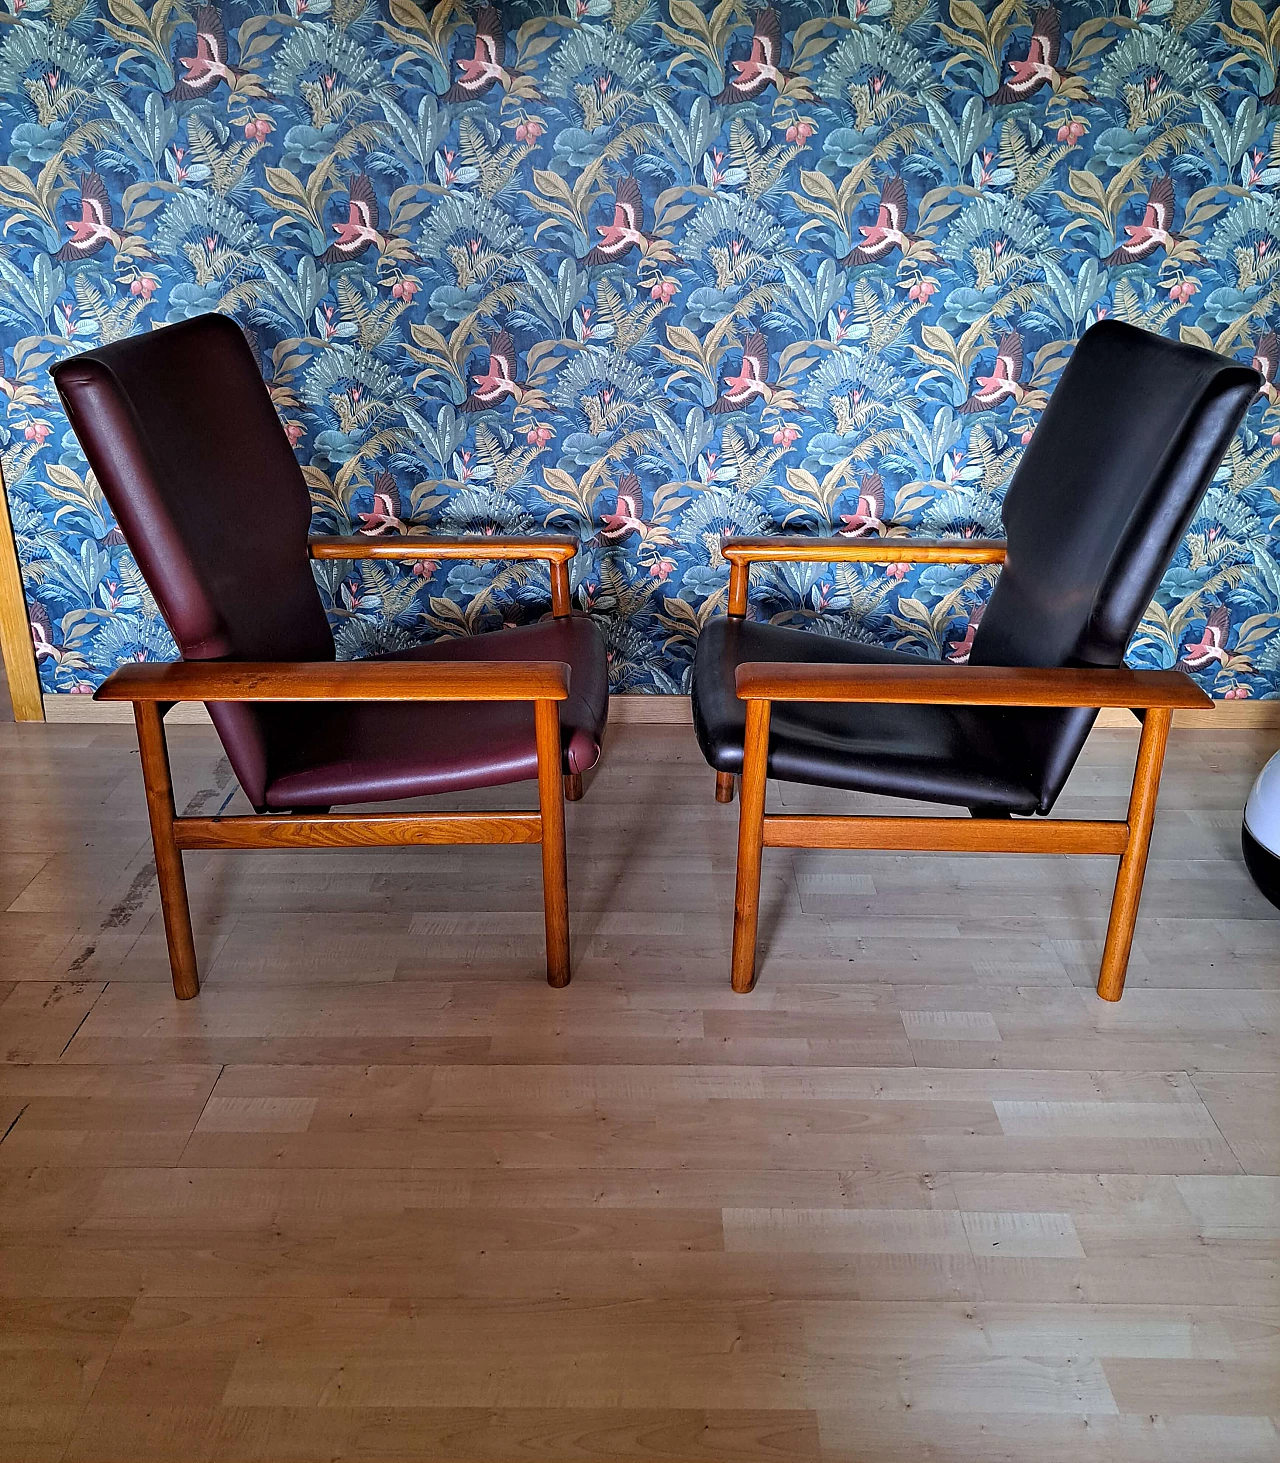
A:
(673, 711)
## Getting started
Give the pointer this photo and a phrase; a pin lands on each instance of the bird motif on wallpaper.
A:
(868, 517)
(497, 381)
(1040, 65)
(752, 379)
(361, 230)
(626, 232)
(626, 517)
(95, 228)
(762, 68)
(989, 391)
(203, 71)
(958, 651)
(889, 232)
(1156, 229)
(1266, 356)
(1212, 644)
(483, 69)
(387, 513)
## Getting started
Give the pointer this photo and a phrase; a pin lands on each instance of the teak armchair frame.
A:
(154, 689)
(1155, 693)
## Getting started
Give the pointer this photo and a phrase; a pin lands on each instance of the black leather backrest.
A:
(183, 437)
(1109, 484)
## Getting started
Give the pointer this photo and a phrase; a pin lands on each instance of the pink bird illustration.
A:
(1003, 383)
(1212, 644)
(361, 228)
(387, 509)
(1156, 229)
(869, 516)
(1040, 66)
(751, 380)
(761, 69)
(889, 232)
(626, 517)
(1266, 357)
(626, 232)
(95, 228)
(482, 70)
(958, 650)
(203, 71)
(498, 379)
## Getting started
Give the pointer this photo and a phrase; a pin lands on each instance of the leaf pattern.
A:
(646, 271)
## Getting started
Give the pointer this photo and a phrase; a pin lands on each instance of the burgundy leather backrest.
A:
(180, 430)
(1107, 488)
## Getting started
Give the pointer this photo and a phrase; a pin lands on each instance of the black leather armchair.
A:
(1101, 500)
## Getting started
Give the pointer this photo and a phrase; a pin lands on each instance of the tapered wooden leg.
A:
(1133, 862)
(724, 787)
(746, 900)
(169, 874)
(555, 888)
(573, 787)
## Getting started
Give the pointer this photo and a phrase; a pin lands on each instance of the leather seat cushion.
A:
(357, 752)
(964, 755)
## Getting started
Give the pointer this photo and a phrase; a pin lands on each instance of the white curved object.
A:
(1260, 833)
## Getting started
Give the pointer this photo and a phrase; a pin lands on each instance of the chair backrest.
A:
(181, 432)
(1108, 486)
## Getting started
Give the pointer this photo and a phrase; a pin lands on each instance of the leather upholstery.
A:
(1101, 499)
(185, 442)
(373, 751)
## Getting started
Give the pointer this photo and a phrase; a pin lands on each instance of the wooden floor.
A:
(380, 1194)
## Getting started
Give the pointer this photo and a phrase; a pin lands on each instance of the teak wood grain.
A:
(931, 684)
(946, 835)
(802, 548)
(553, 548)
(347, 680)
(337, 830)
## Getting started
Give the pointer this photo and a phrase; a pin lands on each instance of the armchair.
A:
(184, 439)
(1108, 486)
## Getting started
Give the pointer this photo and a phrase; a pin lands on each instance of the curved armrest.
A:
(931, 684)
(347, 680)
(802, 549)
(557, 549)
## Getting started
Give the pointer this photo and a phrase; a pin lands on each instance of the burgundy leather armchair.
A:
(1099, 504)
(182, 435)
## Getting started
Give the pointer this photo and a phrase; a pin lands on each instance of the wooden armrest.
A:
(347, 680)
(930, 684)
(800, 549)
(557, 548)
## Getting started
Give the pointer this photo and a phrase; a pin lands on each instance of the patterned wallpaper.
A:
(645, 271)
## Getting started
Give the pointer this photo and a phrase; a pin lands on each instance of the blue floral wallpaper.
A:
(645, 271)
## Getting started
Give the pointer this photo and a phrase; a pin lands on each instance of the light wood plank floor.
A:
(380, 1194)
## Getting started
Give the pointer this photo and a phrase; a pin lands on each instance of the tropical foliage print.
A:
(644, 271)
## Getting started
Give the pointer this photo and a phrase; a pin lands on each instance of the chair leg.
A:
(169, 873)
(1133, 862)
(746, 900)
(573, 787)
(555, 888)
(724, 787)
